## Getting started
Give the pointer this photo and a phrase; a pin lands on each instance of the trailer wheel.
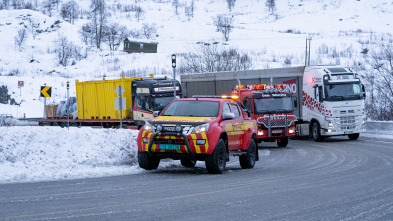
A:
(353, 136)
(247, 161)
(216, 162)
(316, 132)
(188, 162)
(282, 142)
(146, 161)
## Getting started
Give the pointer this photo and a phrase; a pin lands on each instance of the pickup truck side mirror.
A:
(228, 116)
(364, 91)
(156, 113)
(246, 112)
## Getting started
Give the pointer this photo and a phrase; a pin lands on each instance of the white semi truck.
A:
(328, 100)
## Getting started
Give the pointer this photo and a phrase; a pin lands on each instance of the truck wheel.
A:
(353, 136)
(283, 142)
(247, 161)
(216, 162)
(188, 163)
(146, 161)
(316, 132)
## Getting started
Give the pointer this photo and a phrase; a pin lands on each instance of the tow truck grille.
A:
(277, 121)
(347, 123)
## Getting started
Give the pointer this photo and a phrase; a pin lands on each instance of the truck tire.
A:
(247, 161)
(283, 142)
(216, 162)
(146, 161)
(316, 132)
(188, 162)
(353, 136)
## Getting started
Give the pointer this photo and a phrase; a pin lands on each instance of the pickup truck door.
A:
(228, 125)
(238, 126)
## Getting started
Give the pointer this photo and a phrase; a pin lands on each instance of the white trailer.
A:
(328, 100)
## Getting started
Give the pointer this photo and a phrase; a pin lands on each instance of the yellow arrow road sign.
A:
(46, 91)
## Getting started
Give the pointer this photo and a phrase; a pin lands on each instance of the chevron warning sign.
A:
(46, 91)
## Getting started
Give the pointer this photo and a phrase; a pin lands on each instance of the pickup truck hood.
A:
(180, 119)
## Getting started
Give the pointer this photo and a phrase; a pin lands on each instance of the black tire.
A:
(316, 132)
(353, 136)
(283, 142)
(188, 162)
(146, 161)
(247, 161)
(216, 162)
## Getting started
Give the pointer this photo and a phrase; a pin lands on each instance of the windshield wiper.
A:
(354, 96)
(337, 97)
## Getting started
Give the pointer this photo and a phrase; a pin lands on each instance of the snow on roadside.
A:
(48, 153)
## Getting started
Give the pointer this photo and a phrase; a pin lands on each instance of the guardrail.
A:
(383, 126)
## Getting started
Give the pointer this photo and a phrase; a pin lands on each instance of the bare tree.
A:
(176, 5)
(70, 11)
(98, 18)
(189, 10)
(86, 32)
(212, 58)
(114, 35)
(49, 5)
(271, 5)
(139, 13)
(231, 4)
(20, 38)
(224, 24)
(63, 50)
(149, 30)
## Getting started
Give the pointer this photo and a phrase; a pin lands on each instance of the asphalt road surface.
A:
(333, 180)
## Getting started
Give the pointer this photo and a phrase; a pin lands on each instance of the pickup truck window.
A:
(235, 110)
(195, 108)
(226, 108)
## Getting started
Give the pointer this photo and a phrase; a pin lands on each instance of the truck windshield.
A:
(273, 105)
(159, 103)
(192, 108)
(339, 92)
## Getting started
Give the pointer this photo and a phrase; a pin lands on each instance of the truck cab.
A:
(272, 107)
(333, 101)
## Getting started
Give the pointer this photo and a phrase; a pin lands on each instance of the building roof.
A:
(136, 40)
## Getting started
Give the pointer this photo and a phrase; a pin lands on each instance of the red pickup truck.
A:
(207, 129)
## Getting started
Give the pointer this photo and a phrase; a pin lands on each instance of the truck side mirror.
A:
(228, 116)
(156, 113)
(295, 102)
(364, 91)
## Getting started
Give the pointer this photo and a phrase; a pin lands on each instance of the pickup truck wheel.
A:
(283, 142)
(216, 162)
(316, 132)
(188, 163)
(353, 136)
(247, 161)
(146, 161)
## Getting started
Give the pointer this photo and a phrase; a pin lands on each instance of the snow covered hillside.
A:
(340, 31)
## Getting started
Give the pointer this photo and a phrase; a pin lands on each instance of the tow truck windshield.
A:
(273, 105)
(192, 109)
(339, 92)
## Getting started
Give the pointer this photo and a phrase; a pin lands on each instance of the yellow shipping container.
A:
(96, 99)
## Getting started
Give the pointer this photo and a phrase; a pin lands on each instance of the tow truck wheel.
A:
(316, 132)
(353, 136)
(188, 163)
(283, 142)
(146, 161)
(247, 161)
(216, 162)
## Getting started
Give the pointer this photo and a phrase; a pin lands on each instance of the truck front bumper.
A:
(329, 132)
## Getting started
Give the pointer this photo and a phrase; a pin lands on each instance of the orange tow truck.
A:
(195, 129)
(272, 107)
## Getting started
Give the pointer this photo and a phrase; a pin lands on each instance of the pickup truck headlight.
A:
(201, 128)
(148, 127)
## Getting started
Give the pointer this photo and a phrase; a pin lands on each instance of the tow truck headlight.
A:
(148, 127)
(291, 131)
(201, 128)
(260, 133)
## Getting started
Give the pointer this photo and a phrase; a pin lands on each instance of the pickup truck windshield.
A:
(192, 109)
(339, 92)
(273, 105)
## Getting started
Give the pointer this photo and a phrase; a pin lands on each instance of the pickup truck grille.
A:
(187, 129)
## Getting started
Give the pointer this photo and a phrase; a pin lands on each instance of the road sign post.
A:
(68, 105)
(174, 75)
(120, 103)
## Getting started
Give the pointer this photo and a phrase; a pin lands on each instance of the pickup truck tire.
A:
(283, 142)
(146, 161)
(353, 136)
(216, 162)
(316, 132)
(247, 161)
(188, 162)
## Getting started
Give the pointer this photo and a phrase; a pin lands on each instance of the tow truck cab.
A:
(203, 128)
